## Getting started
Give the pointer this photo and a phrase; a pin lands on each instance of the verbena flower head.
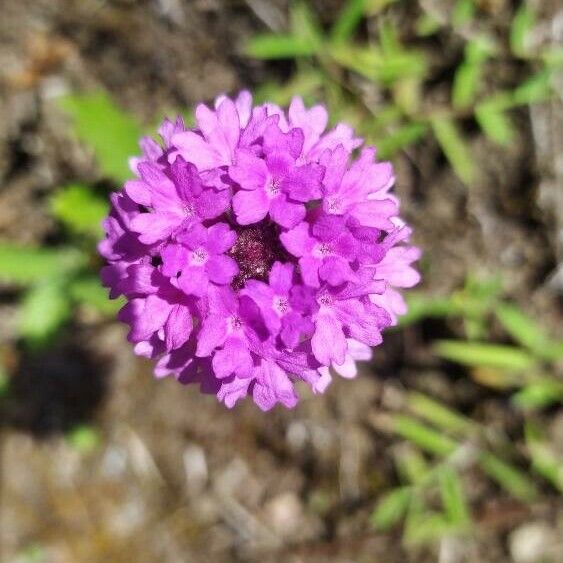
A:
(255, 251)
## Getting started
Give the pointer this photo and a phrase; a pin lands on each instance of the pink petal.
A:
(174, 259)
(221, 269)
(328, 342)
(297, 239)
(178, 327)
(212, 334)
(249, 171)
(195, 149)
(154, 227)
(193, 281)
(250, 206)
(285, 213)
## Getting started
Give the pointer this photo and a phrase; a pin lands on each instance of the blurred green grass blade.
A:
(112, 133)
(438, 414)
(410, 462)
(427, 25)
(302, 84)
(421, 306)
(427, 527)
(453, 499)
(270, 46)
(391, 508)
(4, 382)
(508, 477)
(522, 24)
(348, 20)
(455, 148)
(463, 13)
(26, 265)
(544, 459)
(466, 84)
(552, 57)
(539, 394)
(371, 63)
(495, 123)
(526, 331)
(388, 39)
(399, 139)
(479, 49)
(535, 89)
(79, 209)
(89, 291)
(84, 438)
(44, 309)
(482, 354)
(304, 25)
(424, 437)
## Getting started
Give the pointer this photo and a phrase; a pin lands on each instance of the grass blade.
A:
(508, 477)
(454, 147)
(25, 265)
(438, 414)
(391, 508)
(423, 436)
(110, 131)
(453, 498)
(481, 354)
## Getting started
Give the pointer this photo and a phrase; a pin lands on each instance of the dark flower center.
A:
(256, 249)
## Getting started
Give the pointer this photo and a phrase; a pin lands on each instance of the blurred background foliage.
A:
(385, 79)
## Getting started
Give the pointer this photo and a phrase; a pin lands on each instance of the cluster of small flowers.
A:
(254, 252)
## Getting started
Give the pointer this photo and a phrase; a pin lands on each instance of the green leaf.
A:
(303, 84)
(388, 39)
(522, 24)
(427, 527)
(544, 460)
(84, 438)
(88, 291)
(466, 83)
(494, 123)
(44, 309)
(427, 25)
(371, 63)
(421, 306)
(453, 498)
(454, 147)
(26, 265)
(270, 46)
(526, 331)
(411, 465)
(304, 25)
(79, 209)
(479, 49)
(401, 138)
(539, 394)
(481, 354)
(391, 508)
(463, 13)
(535, 90)
(348, 20)
(4, 382)
(508, 477)
(424, 437)
(438, 414)
(111, 132)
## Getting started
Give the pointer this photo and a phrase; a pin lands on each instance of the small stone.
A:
(532, 543)
(285, 514)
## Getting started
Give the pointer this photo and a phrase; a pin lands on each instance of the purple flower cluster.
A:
(255, 252)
